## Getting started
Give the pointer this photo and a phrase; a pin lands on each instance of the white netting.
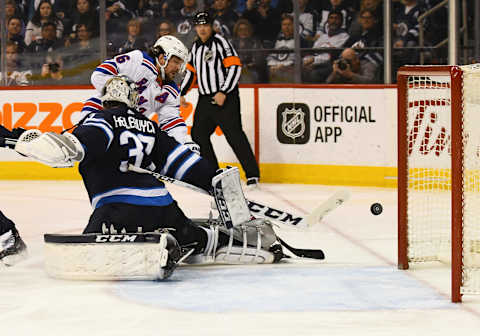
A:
(429, 172)
(471, 180)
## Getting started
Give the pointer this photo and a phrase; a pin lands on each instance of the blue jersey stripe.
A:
(106, 72)
(136, 200)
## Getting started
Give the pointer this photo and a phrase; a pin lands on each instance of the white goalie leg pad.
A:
(231, 203)
(55, 150)
(130, 256)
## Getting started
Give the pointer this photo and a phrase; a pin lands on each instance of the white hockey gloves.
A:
(52, 149)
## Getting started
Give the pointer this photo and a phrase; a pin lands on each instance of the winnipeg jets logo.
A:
(293, 122)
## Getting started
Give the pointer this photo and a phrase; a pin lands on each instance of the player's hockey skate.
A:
(12, 248)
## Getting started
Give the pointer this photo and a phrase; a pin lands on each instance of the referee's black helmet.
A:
(202, 18)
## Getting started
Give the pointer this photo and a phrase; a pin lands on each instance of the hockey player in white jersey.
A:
(154, 74)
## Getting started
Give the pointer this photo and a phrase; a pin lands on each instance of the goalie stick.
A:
(262, 210)
(8, 143)
(329, 205)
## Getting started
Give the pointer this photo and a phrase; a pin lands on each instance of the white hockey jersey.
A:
(160, 98)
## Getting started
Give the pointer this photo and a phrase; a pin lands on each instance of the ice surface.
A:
(356, 290)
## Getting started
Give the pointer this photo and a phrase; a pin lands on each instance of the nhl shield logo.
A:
(293, 123)
(208, 57)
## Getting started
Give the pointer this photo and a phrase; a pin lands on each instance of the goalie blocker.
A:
(126, 256)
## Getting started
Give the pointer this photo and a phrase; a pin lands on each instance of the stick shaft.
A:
(255, 207)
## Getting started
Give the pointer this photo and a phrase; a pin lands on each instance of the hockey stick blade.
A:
(328, 206)
(303, 253)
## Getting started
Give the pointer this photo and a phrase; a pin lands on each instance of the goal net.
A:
(439, 171)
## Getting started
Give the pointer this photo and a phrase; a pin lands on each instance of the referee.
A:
(216, 67)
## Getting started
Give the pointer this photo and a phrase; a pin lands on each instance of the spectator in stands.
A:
(376, 6)
(84, 12)
(14, 33)
(281, 65)
(224, 18)
(153, 8)
(183, 21)
(265, 19)
(47, 43)
(405, 22)
(338, 5)
(117, 15)
(30, 6)
(174, 6)
(82, 44)
(16, 74)
(370, 37)
(16, 8)
(44, 13)
(165, 27)
(350, 69)
(82, 56)
(307, 20)
(48, 40)
(12, 10)
(249, 50)
(52, 70)
(318, 66)
(134, 40)
(405, 32)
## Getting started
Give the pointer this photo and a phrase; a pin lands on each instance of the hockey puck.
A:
(376, 209)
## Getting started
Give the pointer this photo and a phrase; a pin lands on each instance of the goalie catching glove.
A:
(53, 149)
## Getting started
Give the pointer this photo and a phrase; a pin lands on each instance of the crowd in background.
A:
(57, 41)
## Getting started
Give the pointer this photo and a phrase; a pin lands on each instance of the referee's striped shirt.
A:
(214, 65)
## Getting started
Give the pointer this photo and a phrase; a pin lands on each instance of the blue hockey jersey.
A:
(114, 138)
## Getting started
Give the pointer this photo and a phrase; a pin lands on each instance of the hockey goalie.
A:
(137, 230)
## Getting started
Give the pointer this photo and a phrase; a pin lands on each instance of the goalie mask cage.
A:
(439, 171)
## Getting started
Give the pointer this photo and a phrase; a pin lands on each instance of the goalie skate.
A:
(252, 242)
(12, 248)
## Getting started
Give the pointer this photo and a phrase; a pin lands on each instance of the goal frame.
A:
(457, 150)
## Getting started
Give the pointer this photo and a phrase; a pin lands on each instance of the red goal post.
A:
(439, 171)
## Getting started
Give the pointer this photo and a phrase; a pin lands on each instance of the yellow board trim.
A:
(26, 170)
(270, 173)
(328, 175)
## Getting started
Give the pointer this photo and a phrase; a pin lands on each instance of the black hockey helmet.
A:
(202, 18)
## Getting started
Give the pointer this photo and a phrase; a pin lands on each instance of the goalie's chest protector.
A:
(127, 137)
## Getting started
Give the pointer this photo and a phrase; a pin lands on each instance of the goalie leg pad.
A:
(55, 150)
(130, 256)
(231, 203)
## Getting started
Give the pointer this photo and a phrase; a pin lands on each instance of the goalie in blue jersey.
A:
(108, 142)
